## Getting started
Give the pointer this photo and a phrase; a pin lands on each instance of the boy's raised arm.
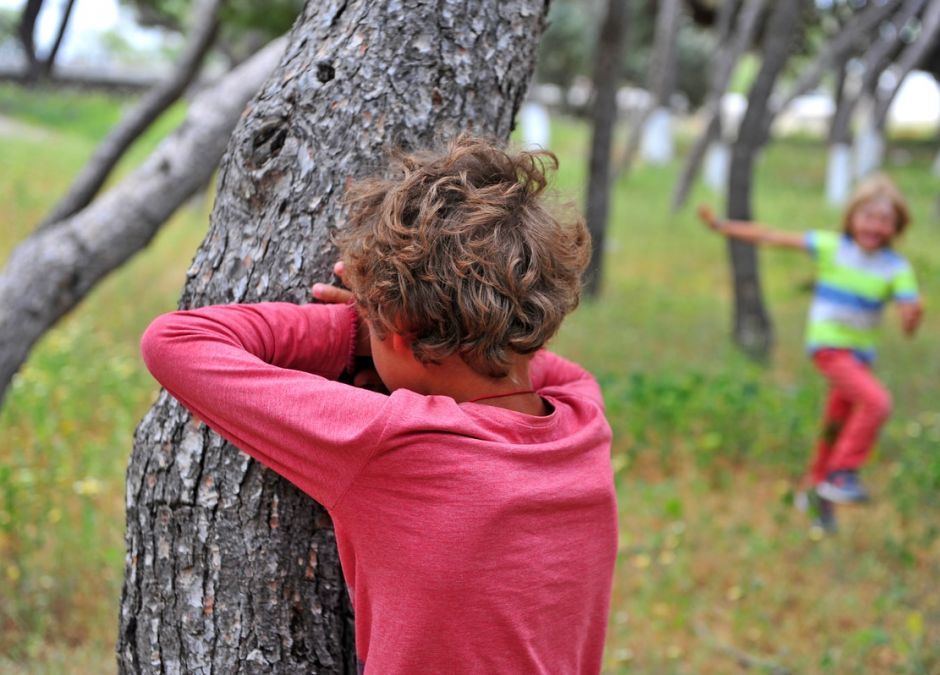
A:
(261, 376)
(751, 232)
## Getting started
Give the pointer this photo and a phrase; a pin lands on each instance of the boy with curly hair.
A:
(473, 497)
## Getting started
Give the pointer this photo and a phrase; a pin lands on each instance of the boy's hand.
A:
(336, 295)
(707, 216)
(911, 315)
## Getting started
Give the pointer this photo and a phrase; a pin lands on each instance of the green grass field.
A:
(716, 566)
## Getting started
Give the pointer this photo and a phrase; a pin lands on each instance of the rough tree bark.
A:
(661, 80)
(753, 331)
(153, 104)
(727, 54)
(229, 568)
(607, 63)
(53, 269)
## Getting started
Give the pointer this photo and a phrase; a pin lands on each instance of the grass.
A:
(714, 562)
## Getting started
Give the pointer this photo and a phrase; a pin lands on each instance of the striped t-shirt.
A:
(852, 286)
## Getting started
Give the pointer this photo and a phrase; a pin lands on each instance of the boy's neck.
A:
(454, 378)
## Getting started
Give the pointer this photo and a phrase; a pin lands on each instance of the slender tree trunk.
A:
(727, 55)
(874, 130)
(52, 270)
(48, 63)
(839, 165)
(153, 104)
(876, 58)
(655, 120)
(26, 31)
(230, 568)
(860, 28)
(753, 331)
(607, 64)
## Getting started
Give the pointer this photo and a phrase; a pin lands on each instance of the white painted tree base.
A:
(717, 165)
(839, 174)
(869, 151)
(656, 146)
(536, 126)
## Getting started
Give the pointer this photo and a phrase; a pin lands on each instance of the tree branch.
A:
(96, 171)
(50, 272)
(724, 61)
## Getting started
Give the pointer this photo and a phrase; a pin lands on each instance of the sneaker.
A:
(843, 487)
(822, 511)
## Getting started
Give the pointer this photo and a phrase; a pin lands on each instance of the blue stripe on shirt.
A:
(838, 296)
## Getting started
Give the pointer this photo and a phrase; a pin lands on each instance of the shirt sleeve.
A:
(262, 377)
(552, 374)
(904, 285)
(820, 243)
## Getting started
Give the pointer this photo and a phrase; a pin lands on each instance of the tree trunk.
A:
(839, 164)
(656, 119)
(607, 64)
(857, 30)
(753, 331)
(48, 63)
(727, 55)
(229, 568)
(26, 31)
(149, 108)
(51, 271)
(873, 134)
(876, 58)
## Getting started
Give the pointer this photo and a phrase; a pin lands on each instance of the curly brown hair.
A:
(457, 251)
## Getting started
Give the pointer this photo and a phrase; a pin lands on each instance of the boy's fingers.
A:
(339, 268)
(331, 294)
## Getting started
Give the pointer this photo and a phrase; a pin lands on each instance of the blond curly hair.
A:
(878, 186)
(457, 251)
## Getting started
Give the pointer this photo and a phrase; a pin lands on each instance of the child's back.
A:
(476, 520)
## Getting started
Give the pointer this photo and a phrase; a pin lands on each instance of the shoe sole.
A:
(836, 494)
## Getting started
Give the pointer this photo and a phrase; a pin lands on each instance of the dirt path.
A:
(12, 127)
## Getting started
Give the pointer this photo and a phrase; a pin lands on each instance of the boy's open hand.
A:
(336, 295)
(911, 314)
(707, 216)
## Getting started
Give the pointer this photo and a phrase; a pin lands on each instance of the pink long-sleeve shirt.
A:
(473, 539)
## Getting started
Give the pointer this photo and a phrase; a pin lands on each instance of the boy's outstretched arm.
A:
(911, 315)
(748, 231)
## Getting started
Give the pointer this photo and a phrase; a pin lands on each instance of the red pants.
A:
(858, 405)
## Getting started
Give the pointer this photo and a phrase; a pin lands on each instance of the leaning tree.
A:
(753, 331)
(230, 568)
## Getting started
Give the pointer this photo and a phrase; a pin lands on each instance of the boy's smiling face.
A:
(874, 224)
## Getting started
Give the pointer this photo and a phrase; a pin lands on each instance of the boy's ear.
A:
(400, 343)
